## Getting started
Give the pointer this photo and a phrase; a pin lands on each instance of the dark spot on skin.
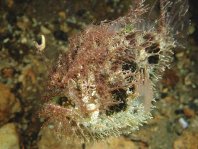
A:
(120, 96)
(148, 37)
(154, 59)
(64, 101)
(154, 48)
(132, 89)
(129, 79)
(131, 38)
(132, 66)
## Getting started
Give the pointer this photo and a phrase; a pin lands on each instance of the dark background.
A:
(23, 70)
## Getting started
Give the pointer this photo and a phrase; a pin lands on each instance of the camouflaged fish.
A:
(104, 85)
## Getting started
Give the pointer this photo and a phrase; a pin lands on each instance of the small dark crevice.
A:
(120, 96)
(154, 48)
(132, 66)
(131, 38)
(154, 59)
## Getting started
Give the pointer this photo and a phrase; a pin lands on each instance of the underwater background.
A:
(23, 73)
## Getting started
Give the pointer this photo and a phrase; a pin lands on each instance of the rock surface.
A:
(9, 104)
(9, 138)
(48, 141)
(114, 143)
(187, 141)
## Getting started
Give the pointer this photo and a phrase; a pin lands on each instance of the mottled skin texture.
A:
(104, 84)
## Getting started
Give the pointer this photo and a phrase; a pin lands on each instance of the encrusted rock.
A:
(187, 141)
(9, 138)
(114, 143)
(49, 141)
(9, 104)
